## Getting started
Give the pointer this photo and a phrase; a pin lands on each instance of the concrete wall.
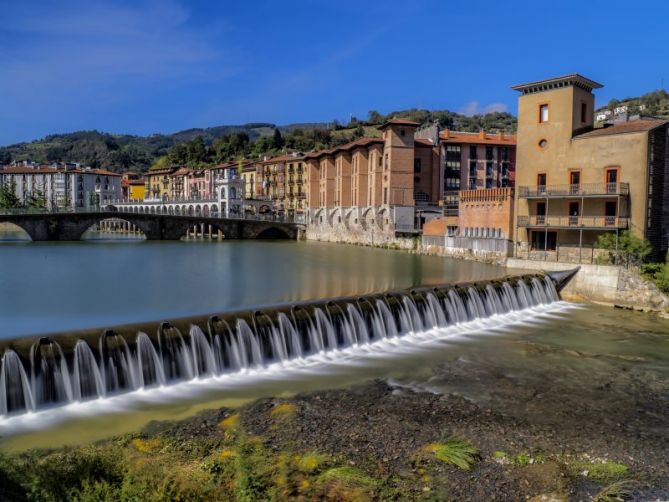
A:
(603, 283)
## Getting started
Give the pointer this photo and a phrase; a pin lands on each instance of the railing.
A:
(573, 221)
(576, 190)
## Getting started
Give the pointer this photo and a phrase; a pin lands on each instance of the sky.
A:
(160, 66)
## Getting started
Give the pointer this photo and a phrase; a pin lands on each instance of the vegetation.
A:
(625, 249)
(201, 147)
(658, 273)
(655, 103)
(454, 450)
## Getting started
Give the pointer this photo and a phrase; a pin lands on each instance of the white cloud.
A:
(475, 108)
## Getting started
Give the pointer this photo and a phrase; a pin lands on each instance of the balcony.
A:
(574, 222)
(568, 191)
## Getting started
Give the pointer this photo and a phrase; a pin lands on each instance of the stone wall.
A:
(368, 237)
(603, 283)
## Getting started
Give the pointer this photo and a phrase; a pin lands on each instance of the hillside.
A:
(654, 104)
(121, 152)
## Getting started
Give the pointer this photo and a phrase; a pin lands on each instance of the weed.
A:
(454, 450)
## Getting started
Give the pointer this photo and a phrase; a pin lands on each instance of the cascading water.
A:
(49, 378)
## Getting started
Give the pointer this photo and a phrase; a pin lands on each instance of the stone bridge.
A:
(71, 226)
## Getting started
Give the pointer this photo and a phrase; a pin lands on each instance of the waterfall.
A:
(15, 390)
(148, 362)
(251, 340)
(204, 361)
(87, 380)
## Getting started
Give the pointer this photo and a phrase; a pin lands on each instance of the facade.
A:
(136, 189)
(248, 174)
(276, 181)
(575, 182)
(474, 161)
(159, 184)
(373, 185)
(60, 186)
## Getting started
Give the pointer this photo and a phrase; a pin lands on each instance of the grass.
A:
(345, 483)
(454, 450)
(229, 423)
(602, 471)
(616, 492)
(283, 410)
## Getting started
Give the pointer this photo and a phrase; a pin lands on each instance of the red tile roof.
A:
(352, 145)
(633, 126)
(403, 122)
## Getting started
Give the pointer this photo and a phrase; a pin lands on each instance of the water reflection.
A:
(107, 284)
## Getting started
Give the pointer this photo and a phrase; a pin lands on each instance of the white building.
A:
(61, 185)
(230, 188)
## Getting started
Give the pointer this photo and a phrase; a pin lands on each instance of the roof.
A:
(633, 126)
(347, 147)
(477, 138)
(283, 158)
(181, 171)
(573, 79)
(404, 122)
(423, 142)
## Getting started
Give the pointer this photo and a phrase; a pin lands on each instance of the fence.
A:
(477, 244)
(586, 254)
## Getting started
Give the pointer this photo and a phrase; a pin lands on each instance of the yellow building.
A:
(136, 189)
(295, 198)
(247, 170)
(575, 182)
(159, 183)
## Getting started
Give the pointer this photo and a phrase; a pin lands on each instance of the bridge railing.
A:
(279, 218)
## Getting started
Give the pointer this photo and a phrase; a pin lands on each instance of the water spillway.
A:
(70, 368)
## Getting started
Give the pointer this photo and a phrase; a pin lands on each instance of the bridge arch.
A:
(13, 232)
(114, 228)
(272, 233)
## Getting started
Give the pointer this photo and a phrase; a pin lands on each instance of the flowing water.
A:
(453, 340)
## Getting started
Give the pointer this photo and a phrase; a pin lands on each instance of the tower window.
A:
(543, 113)
(584, 112)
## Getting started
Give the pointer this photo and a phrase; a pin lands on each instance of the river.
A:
(564, 350)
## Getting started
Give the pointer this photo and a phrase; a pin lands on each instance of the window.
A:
(543, 113)
(385, 195)
(584, 112)
(416, 165)
(488, 153)
(472, 152)
(543, 144)
(541, 182)
(611, 180)
(574, 208)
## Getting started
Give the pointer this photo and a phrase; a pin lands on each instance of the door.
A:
(541, 213)
(610, 212)
(541, 183)
(574, 208)
(574, 181)
(544, 241)
(611, 181)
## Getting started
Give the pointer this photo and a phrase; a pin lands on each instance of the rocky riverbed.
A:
(374, 441)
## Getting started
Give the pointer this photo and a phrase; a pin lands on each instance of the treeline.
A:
(201, 147)
(656, 104)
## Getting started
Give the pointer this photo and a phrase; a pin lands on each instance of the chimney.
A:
(446, 133)
(482, 134)
(500, 135)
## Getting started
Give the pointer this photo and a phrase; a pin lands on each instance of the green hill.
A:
(202, 146)
(654, 104)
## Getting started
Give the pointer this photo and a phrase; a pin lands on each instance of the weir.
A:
(76, 367)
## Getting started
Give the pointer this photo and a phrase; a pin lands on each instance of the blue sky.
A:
(148, 66)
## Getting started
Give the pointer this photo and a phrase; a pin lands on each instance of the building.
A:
(373, 185)
(132, 186)
(248, 174)
(179, 184)
(295, 195)
(273, 182)
(474, 161)
(159, 183)
(575, 183)
(61, 185)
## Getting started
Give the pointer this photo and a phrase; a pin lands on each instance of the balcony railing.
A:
(575, 222)
(580, 190)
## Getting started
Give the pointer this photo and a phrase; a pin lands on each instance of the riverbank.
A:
(370, 442)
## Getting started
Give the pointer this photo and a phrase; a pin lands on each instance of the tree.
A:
(8, 197)
(374, 117)
(37, 199)
(277, 140)
(359, 131)
(626, 249)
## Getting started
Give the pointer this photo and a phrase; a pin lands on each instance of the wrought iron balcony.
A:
(574, 222)
(581, 190)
